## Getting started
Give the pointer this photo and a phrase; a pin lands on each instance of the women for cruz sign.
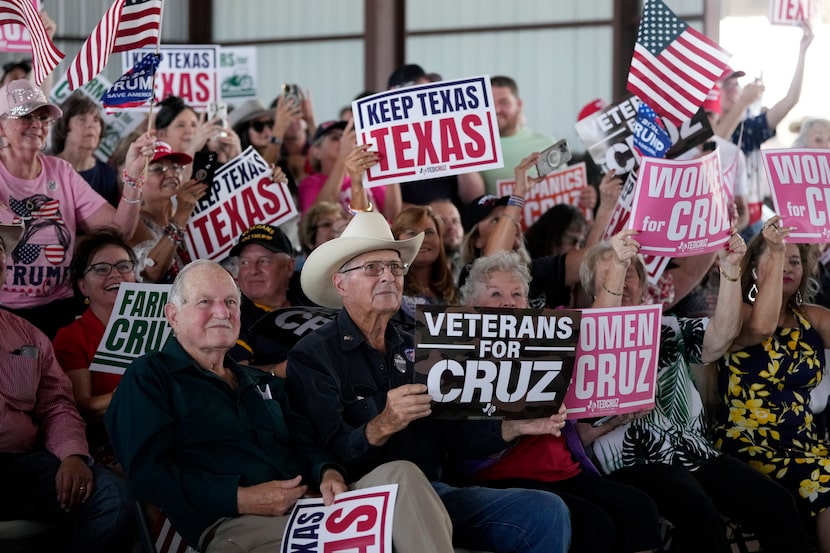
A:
(800, 184)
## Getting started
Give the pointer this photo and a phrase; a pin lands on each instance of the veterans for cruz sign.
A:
(799, 180)
(616, 362)
(137, 326)
(680, 207)
(495, 363)
(430, 130)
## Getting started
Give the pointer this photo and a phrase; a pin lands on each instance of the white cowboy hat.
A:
(366, 232)
(10, 234)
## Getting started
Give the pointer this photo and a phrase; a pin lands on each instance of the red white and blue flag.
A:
(134, 87)
(127, 25)
(46, 55)
(674, 66)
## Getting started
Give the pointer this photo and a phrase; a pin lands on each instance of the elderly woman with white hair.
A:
(605, 515)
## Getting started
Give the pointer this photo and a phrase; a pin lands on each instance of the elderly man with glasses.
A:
(353, 378)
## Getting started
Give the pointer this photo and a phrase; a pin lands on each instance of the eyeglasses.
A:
(162, 169)
(30, 118)
(375, 268)
(260, 126)
(104, 269)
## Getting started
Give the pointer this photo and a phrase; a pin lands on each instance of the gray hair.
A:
(483, 267)
(180, 283)
(597, 253)
(801, 140)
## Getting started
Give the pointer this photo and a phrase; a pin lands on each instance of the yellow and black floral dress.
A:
(765, 416)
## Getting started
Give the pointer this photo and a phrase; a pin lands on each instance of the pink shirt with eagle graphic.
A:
(51, 207)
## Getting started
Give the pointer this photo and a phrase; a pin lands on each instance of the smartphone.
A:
(204, 166)
(292, 94)
(219, 110)
(552, 157)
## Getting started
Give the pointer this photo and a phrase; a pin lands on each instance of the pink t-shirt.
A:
(310, 187)
(50, 206)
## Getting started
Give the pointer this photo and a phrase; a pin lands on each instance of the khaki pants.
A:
(421, 524)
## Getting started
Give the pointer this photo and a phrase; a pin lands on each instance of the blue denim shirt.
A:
(187, 441)
(339, 382)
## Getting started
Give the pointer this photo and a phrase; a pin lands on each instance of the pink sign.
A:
(429, 130)
(616, 361)
(15, 37)
(800, 184)
(359, 520)
(560, 187)
(679, 207)
(655, 264)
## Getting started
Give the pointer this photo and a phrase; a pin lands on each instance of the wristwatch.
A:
(275, 140)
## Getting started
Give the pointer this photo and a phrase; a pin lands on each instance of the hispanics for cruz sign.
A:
(616, 363)
(564, 186)
(359, 520)
(800, 184)
(137, 326)
(679, 207)
(430, 130)
(241, 195)
(495, 363)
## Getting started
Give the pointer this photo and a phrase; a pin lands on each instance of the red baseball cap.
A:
(164, 151)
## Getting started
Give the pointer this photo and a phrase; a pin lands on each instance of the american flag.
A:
(674, 66)
(127, 25)
(46, 55)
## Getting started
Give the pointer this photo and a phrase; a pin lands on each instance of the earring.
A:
(86, 300)
(798, 298)
(753, 293)
(754, 274)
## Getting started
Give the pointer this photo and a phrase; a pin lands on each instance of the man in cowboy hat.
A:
(44, 458)
(353, 379)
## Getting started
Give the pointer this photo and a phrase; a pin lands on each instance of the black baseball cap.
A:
(326, 128)
(267, 236)
(405, 74)
(480, 208)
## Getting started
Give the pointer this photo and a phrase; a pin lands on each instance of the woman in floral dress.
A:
(766, 379)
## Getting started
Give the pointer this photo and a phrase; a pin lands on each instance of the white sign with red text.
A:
(357, 521)
(241, 195)
(430, 130)
(799, 181)
(188, 71)
(794, 12)
(616, 361)
(679, 207)
(560, 187)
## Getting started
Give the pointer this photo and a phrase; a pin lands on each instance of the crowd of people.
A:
(224, 428)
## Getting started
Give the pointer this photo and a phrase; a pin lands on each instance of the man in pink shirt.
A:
(44, 459)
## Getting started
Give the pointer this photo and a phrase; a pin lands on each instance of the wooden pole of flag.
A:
(150, 114)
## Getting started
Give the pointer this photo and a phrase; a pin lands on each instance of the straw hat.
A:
(366, 232)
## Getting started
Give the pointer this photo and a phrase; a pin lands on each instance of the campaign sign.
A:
(359, 520)
(799, 180)
(237, 73)
(616, 362)
(560, 187)
(137, 326)
(430, 130)
(485, 363)
(794, 12)
(241, 195)
(679, 207)
(608, 135)
(188, 71)
(15, 37)
(117, 125)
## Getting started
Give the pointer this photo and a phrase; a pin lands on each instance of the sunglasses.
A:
(260, 126)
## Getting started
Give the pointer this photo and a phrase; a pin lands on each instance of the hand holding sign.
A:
(331, 485)
(358, 160)
(625, 247)
(512, 429)
(731, 256)
(610, 189)
(775, 234)
(404, 404)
